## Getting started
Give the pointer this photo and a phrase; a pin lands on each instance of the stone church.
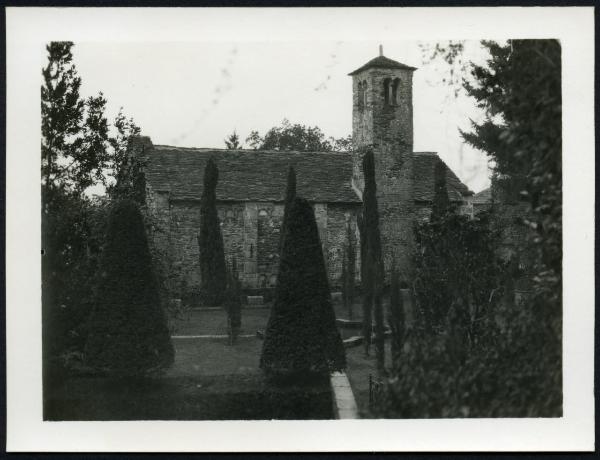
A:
(252, 185)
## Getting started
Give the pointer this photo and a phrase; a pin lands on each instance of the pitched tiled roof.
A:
(424, 179)
(251, 175)
(382, 62)
(258, 175)
(483, 197)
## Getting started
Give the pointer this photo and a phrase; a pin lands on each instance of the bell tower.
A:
(382, 119)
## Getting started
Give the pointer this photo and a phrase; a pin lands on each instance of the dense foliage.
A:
(210, 240)
(297, 137)
(78, 152)
(372, 262)
(72, 238)
(301, 336)
(128, 331)
(475, 351)
(520, 90)
(456, 268)
(444, 366)
(125, 169)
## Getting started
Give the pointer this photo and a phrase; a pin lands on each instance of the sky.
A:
(194, 94)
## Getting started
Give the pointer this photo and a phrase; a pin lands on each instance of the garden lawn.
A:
(214, 322)
(209, 380)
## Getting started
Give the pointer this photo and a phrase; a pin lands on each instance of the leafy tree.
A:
(296, 137)
(128, 331)
(449, 364)
(73, 148)
(373, 262)
(342, 144)
(301, 336)
(123, 168)
(77, 152)
(62, 111)
(210, 240)
(74, 131)
(254, 140)
(232, 142)
(520, 89)
(481, 359)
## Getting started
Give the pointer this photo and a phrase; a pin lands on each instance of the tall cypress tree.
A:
(373, 262)
(128, 331)
(233, 302)
(350, 270)
(210, 240)
(396, 318)
(290, 194)
(301, 337)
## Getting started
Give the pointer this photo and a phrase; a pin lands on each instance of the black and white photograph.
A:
(354, 230)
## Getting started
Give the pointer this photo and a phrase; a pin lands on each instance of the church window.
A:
(387, 91)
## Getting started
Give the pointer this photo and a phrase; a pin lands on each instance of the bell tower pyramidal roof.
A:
(382, 62)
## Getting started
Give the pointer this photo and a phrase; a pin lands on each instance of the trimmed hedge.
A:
(128, 331)
(301, 335)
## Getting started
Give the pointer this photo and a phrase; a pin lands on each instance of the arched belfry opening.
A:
(394, 92)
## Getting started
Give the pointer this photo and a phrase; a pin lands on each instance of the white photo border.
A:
(29, 29)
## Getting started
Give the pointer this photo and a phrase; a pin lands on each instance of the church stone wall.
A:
(339, 216)
(251, 234)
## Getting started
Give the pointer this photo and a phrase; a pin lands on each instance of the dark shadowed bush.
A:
(373, 277)
(349, 271)
(128, 331)
(396, 319)
(301, 336)
(210, 241)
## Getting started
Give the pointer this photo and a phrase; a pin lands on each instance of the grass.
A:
(209, 380)
(214, 322)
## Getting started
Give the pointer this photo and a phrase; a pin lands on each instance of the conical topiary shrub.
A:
(301, 336)
(128, 331)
